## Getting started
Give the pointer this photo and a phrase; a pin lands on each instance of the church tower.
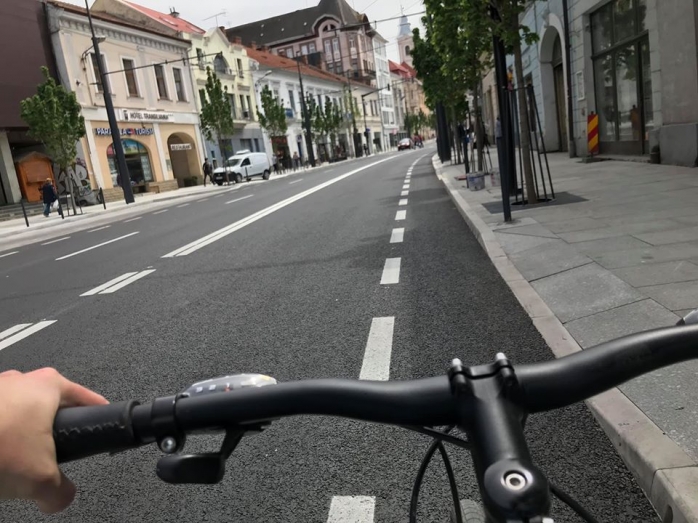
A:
(405, 41)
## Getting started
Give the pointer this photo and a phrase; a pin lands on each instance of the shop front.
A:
(159, 157)
(622, 76)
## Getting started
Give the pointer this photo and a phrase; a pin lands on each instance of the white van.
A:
(243, 166)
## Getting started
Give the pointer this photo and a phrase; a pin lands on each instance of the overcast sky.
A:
(238, 13)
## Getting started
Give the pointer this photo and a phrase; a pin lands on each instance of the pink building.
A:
(315, 32)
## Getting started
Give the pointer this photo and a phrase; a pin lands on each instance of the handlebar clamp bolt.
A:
(515, 481)
(168, 445)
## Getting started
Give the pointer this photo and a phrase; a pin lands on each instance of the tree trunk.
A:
(221, 146)
(456, 138)
(525, 135)
(479, 136)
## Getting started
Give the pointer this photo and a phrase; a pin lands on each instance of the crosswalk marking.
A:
(21, 331)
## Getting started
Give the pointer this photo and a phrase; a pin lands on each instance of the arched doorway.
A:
(183, 158)
(554, 92)
(137, 161)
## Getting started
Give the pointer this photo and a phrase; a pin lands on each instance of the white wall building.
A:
(385, 97)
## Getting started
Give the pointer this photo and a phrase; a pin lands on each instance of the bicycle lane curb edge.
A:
(666, 474)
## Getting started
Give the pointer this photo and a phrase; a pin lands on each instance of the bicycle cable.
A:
(573, 504)
(437, 444)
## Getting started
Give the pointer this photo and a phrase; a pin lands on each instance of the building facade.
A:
(152, 92)
(405, 41)
(332, 35)
(22, 26)
(281, 75)
(399, 99)
(385, 97)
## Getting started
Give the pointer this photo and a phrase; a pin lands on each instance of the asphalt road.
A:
(292, 292)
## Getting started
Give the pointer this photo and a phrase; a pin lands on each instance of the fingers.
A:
(71, 394)
(55, 495)
(10, 373)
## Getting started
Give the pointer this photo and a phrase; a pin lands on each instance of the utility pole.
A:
(356, 137)
(367, 134)
(124, 175)
(508, 154)
(306, 115)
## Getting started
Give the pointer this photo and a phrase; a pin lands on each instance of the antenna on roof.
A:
(222, 13)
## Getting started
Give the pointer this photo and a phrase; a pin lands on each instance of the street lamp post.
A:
(111, 116)
(306, 115)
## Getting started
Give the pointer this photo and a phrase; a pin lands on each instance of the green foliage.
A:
(53, 116)
(216, 112)
(272, 117)
(416, 123)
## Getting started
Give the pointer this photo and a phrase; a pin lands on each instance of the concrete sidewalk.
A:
(616, 253)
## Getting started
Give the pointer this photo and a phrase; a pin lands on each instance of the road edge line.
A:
(665, 472)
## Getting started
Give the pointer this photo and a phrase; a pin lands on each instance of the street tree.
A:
(272, 116)
(54, 119)
(216, 112)
(332, 122)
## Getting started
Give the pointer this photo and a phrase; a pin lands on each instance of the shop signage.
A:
(128, 115)
(105, 131)
(180, 147)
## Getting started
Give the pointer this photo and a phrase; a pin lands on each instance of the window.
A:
(243, 108)
(328, 51)
(330, 67)
(220, 65)
(249, 108)
(282, 52)
(130, 74)
(241, 72)
(291, 100)
(233, 108)
(338, 67)
(407, 50)
(311, 48)
(256, 145)
(304, 50)
(202, 97)
(138, 161)
(289, 52)
(335, 47)
(179, 85)
(95, 70)
(161, 82)
(200, 56)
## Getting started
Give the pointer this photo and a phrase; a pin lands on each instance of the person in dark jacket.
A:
(208, 172)
(48, 192)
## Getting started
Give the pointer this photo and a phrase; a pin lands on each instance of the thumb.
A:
(55, 495)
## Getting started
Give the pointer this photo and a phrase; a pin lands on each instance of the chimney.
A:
(174, 13)
(253, 44)
(237, 40)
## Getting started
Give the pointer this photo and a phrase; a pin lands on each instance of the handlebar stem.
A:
(489, 411)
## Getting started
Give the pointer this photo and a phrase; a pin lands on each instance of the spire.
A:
(405, 28)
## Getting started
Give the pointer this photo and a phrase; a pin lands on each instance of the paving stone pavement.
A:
(623, 260)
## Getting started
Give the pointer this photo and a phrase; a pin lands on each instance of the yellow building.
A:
(152, 93)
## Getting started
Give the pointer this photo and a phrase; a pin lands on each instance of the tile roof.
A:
(275, 61)
(174, 22)
(402, 69)
(98, 15)
(295, 25)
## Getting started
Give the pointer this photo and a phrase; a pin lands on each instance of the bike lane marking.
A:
(25, 330)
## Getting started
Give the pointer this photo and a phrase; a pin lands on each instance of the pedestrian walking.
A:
(498, 139)
(48, 192)
(296, 161)
(208, 171)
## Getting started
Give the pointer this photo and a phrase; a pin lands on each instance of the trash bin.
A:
(495, 178)
(476, 181)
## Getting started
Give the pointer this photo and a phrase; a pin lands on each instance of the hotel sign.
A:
(128, 115)
(105, 131)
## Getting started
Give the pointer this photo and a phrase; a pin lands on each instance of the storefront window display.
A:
(137, 161)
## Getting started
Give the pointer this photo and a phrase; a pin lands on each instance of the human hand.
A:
(28, 406)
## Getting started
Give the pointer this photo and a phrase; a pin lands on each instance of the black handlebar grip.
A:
(81, 432)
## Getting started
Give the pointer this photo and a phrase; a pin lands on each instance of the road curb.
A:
(667, 475)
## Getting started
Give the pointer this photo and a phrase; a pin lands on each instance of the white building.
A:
(383, 82)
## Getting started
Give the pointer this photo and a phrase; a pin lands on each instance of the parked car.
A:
(405, 143)
(243, 166)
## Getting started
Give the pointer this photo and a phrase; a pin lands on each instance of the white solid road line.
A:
(352, 509)
(403, 202)
(225, 231)
(401, 215)
(25, 333)
(127, 281)
(99, 229)
(160, 212)
(9, 332)
(391, 271)
(376, 364)
(238, 199)
(185, 204)
(398, 236)
(56, 241)
(201, 200)
(99, 289)
(8, 254)
(295, 181)
(96, 246)
(405, 193)
(133, 219)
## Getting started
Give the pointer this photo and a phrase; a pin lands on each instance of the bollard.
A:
(24, 211)
(101, 196)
